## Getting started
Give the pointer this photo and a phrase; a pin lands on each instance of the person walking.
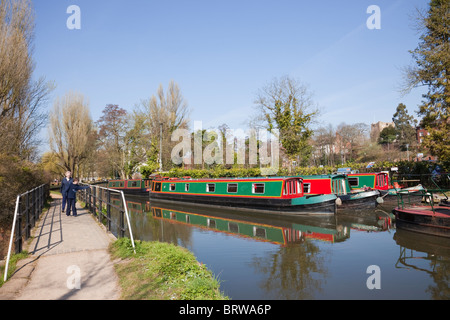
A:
(72, 196)
(65, 184)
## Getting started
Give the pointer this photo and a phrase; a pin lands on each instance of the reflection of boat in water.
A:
(374, 220)
(261, 227)
(288, 228)
(427, 254)
(431, 245)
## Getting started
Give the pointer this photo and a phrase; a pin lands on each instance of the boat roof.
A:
(229, 179)
(440, 212)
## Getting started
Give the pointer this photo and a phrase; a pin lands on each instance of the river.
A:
(356, 254)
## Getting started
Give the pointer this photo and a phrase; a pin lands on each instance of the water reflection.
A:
(427, 254)
(280, 257)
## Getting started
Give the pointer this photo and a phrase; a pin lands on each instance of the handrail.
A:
(125, 208)
(16, 212)
(11, 239)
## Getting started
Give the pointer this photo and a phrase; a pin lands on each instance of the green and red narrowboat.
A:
(379, 181)
(134, 187)
(338, 184)
(280, 195)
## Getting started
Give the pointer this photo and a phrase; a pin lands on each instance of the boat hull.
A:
(365, 199)
(307, 205)
(423, 220)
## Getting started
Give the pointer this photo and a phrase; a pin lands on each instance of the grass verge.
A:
(12, 265)
(162, 271)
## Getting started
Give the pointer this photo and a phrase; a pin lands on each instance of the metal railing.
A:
(99, 202)
(28, 210)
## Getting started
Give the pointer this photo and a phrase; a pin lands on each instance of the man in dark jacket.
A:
(65, 184)
(72, 197)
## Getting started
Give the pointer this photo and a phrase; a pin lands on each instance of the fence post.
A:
(122, 223)
(108, 208)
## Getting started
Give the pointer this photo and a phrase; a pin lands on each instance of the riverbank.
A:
(162, 271)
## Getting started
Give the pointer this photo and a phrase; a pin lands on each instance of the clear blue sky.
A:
(221, 52)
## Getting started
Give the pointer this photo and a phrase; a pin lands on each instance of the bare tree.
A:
(70, 131)
(21, 98)
(164, 112)
(351, 138)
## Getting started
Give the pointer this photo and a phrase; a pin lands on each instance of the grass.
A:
(162, 271)
(12, 265)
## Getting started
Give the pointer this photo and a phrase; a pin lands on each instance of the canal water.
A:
(356, 254)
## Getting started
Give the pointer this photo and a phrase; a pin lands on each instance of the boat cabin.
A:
(376, 180)
(242, 187)
(137, 186)
(326, 184)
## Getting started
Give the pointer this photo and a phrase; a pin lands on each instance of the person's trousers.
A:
(64, 201)
(71, 206)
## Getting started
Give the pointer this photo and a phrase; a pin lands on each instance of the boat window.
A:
(157, 186)
(121, 184)
(233, 227)
(134, 184)
(210, 187)
(157, 212)
(211, 223)
(186, 187)
(381, 180)
(258, 188)
(293, 186)
(259, 232)
(172, 187)
(306, 187)
(232, 187)
(353, 181)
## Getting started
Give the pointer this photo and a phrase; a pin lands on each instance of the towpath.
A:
(69, 260)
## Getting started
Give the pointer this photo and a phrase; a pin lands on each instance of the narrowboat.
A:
(427, 219)
(275, 195)
(338, 184)
(379, 181)
(134, 187)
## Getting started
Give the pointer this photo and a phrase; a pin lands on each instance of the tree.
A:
(113, 127)
(164, 113)
(324, 142)
(286, 104)
(432, 70)
(70, 131)
(405, 128)
(21, 97)
(352, 137)
(387, 136)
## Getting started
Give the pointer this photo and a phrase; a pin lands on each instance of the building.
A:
(423, 156)
(376, 128)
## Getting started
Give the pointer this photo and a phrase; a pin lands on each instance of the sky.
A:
(221, 53)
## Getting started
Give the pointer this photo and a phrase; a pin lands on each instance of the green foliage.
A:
(432, 70)
(387, 135)
(405, 126)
